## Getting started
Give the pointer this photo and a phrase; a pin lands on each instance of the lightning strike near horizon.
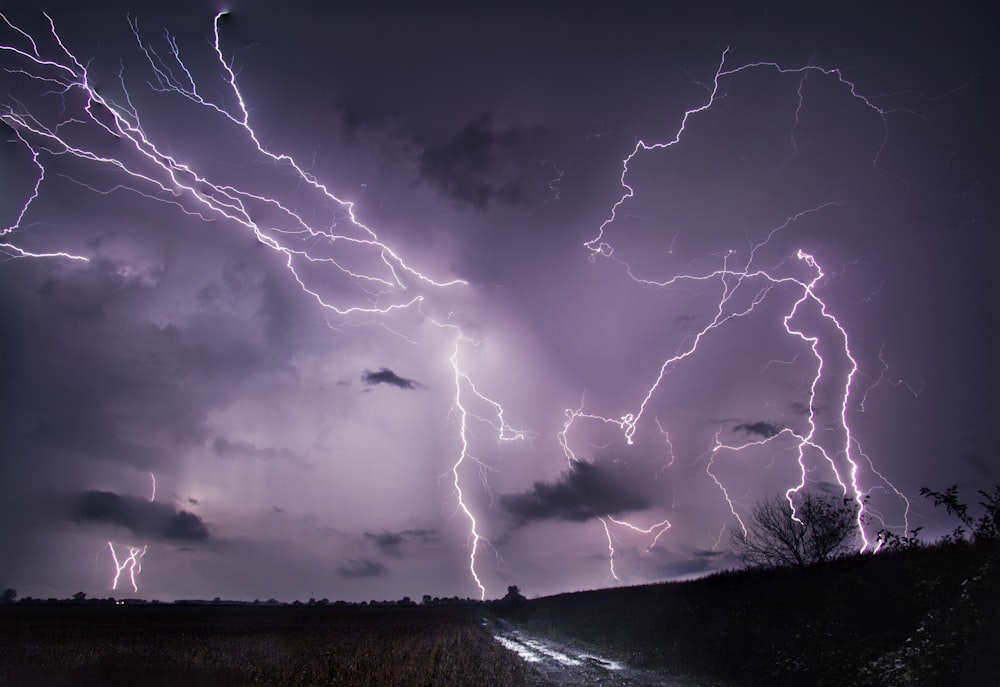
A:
(66, 124)
(133, 563)
(114, 137)
(136, 553)
(611, 550)
(733, 278)
(465, 392)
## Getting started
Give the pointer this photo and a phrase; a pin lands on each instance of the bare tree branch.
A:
(822, 528)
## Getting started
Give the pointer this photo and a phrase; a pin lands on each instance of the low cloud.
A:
(390, 543)
(762, 429)
(145, 519)
(386, 376)
(361, 568)
(584, 492)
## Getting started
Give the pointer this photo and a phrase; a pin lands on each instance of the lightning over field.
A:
(450, 301)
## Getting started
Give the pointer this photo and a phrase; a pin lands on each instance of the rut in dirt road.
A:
(559, 665)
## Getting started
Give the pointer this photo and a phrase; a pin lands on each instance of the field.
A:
(913, 618)
(192, 646)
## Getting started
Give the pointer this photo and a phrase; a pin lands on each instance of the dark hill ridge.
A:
(927, 616)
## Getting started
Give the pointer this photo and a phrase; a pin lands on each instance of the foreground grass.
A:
(155, 646)
(924, 617)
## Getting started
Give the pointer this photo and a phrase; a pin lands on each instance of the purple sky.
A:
(301, 451)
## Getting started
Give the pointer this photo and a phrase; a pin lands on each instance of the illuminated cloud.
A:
(218, 331)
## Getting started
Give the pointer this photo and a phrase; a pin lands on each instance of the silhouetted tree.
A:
(512, 598)
(821, 528)
(985, 529)
(9, 596)
(80, 596)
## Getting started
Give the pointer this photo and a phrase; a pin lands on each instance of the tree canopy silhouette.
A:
(821, 528)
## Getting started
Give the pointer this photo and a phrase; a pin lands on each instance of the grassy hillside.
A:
(926, 616)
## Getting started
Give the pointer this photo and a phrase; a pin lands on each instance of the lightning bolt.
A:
(388, 283)
(466, 392)
(134, 560)
(736, 277)
(133, 563)
(155, 174)
(110, 134)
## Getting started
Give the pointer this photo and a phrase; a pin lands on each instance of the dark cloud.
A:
(483, 163)
(365, 567)
(390, 543)
(386, 376)
(585, 492)
(762, 429)
(145, 519)
(99, 377)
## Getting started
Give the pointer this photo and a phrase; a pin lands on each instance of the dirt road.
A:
(561, 665)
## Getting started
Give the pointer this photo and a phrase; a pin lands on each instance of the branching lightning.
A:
(156, 174)
(92, 127)
(133, 563)
(465, 392)
(135, 553)
(150, 171)
(733, 278)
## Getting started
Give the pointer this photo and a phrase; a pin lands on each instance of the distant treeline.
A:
(80, 599)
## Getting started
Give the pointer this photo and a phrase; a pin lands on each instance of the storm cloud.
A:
(762, 429)
(291, 382)
(391, 543)
(145, 519)
(365, 567)
(386, 376)
(482, 164)
(586, 491)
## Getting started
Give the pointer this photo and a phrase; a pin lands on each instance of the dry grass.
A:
(193, 646)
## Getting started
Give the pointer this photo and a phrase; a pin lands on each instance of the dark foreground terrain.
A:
(924, 617)
(913, 618)
(191, 646)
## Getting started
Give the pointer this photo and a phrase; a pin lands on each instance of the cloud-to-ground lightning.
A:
(111, 134)
(733, 277)
(133, 562)
(332, 259)
(465, 392)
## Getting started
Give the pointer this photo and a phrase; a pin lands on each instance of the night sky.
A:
(454, 336)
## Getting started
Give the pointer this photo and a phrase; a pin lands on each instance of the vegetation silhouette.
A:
(820, 528)
(915, 615)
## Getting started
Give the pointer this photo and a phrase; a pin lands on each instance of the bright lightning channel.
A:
(134, 560)
(153, 173)
(466, 391)
(133, 563)
(734, 278)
